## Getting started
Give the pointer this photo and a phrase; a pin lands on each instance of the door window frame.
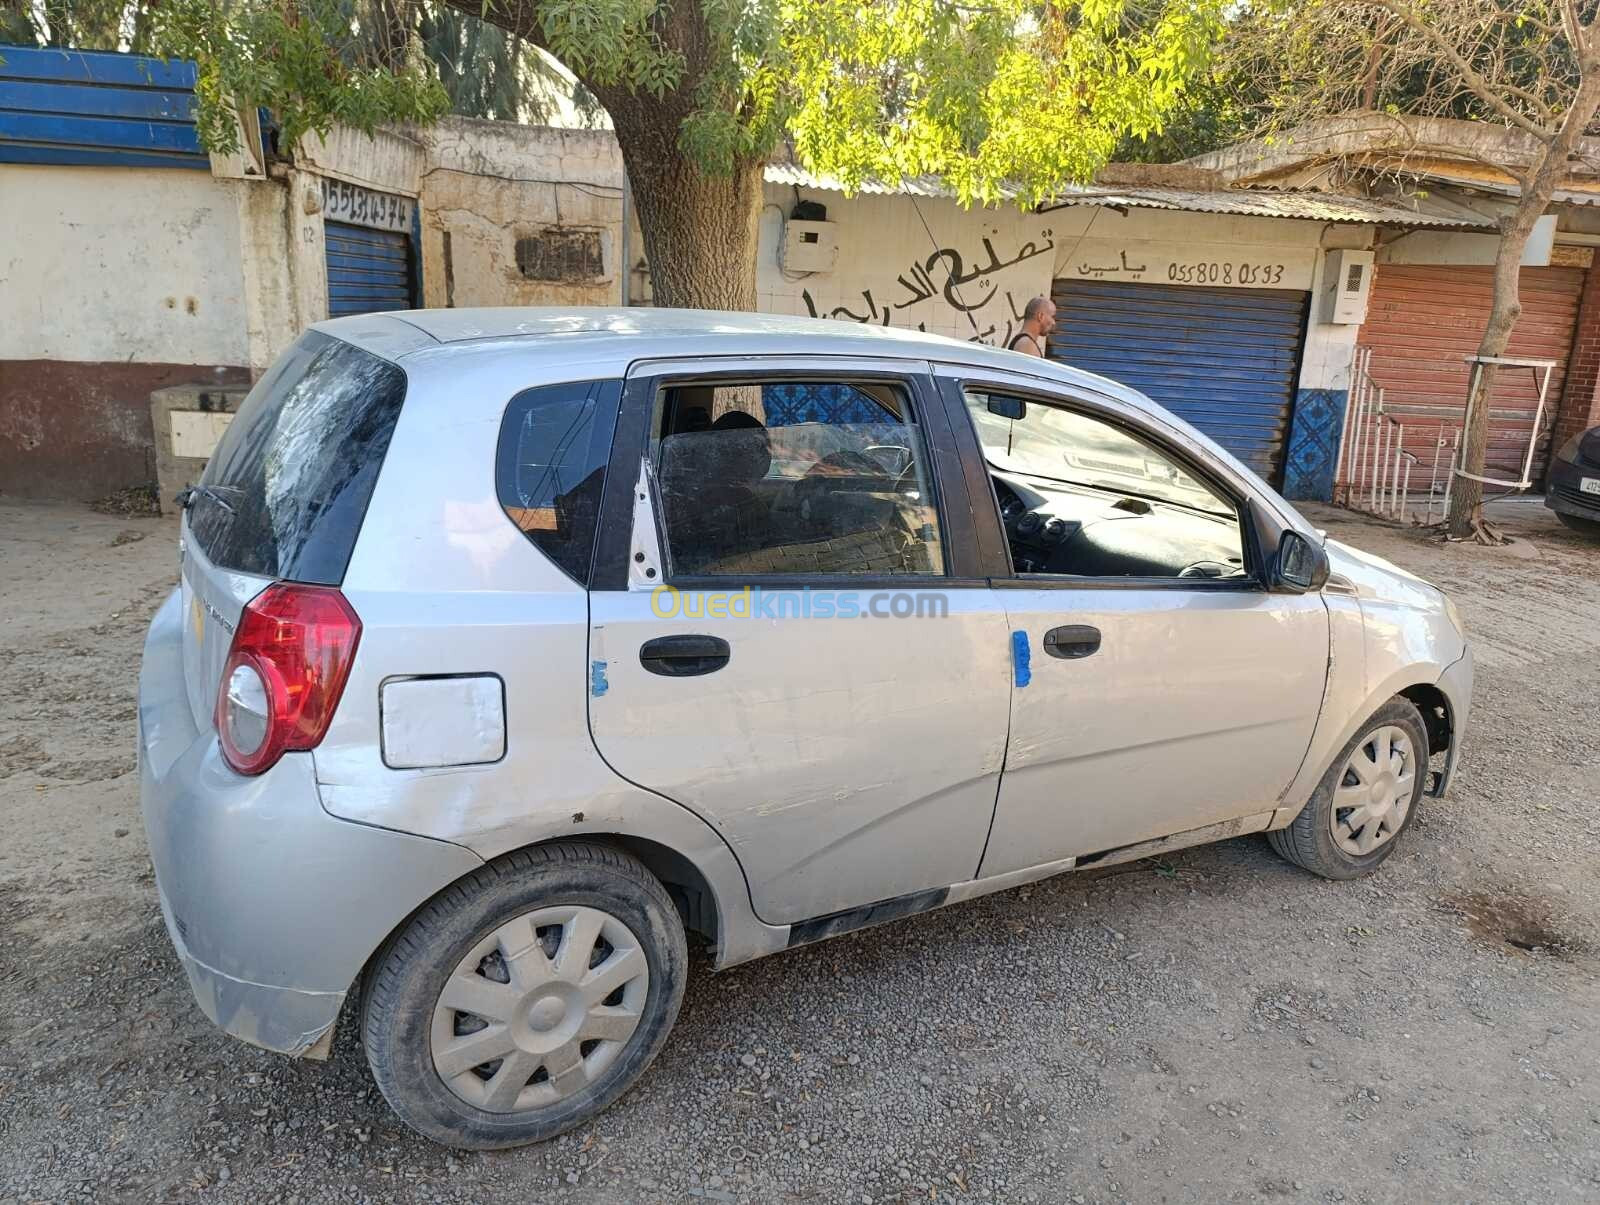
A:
(954, 380)
(632, 445)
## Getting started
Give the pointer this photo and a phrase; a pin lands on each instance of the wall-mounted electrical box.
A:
(1346, 285)
(809, 246)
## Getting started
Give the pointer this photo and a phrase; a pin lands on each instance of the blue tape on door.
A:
(1019, 658)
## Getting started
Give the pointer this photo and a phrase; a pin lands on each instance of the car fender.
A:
(1376, 651)
(455, 807)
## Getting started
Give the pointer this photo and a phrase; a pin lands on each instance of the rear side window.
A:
(288, 486)
(554, 445)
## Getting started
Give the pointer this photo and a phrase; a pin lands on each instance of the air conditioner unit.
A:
(1346, 284)
(809, 246)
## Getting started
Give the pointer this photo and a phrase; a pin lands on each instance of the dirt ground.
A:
(1219, 1026)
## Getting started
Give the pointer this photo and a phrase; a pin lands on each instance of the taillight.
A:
(285, 672)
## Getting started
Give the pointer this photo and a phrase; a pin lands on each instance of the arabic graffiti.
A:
(1099, 272)
(943, 274)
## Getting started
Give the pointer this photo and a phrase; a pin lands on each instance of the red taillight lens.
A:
(285, 672)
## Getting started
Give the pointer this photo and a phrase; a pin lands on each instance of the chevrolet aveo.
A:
(513, 647)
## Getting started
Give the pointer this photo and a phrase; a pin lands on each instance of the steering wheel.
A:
(1212, 569)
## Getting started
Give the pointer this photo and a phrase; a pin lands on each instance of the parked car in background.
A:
(1572, 488)
(514, 647)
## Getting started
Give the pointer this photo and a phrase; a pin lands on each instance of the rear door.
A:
(792, 642)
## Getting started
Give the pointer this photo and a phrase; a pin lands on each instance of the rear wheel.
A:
(1365, 801)
(527, 998)
(1587, 527)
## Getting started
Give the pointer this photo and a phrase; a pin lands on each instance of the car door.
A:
(791, 641)
(1160, 686)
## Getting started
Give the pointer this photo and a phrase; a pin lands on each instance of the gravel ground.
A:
(1218, 1026)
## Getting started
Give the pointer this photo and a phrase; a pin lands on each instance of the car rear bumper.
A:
(273, 905)
(1564, 493)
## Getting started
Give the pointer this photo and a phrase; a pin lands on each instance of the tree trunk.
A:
(699, 227)
(1505, 306)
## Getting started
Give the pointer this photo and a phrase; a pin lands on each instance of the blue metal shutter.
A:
(368, 270)
(1226, 360)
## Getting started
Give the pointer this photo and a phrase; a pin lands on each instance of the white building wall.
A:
(136, 265)
(919, 262)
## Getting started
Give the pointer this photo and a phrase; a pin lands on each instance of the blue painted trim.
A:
(416, 254)
(1021, 672)
(96, 67)
(1313, 454)
(110, 132)
(97, 108)
(79, 156)
(147, 103)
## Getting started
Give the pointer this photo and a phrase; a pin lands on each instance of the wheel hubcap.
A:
(1374, 792)
(539, 1008)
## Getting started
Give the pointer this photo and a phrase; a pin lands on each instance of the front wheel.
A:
(525, 999)
(1368, 797)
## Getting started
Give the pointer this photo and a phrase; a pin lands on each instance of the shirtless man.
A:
(1038, 320)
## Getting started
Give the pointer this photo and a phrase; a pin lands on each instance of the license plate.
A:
(1590, 485)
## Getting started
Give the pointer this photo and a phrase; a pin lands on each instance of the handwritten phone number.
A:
(1212, 272)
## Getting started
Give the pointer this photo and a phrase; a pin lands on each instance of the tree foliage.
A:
(1511, 62)
(1531, 66)
(1003, 97)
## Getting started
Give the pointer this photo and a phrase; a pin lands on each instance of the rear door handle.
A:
(1072, 641)
(684, 656)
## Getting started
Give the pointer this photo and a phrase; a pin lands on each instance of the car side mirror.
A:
(1299, 566)
(1013, 408)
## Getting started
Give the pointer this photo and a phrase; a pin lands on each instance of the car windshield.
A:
(1063, 446)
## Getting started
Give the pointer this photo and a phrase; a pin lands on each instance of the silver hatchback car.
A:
(512, 647)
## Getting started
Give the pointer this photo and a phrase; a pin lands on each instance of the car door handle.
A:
(684, 656)
(1072, 641)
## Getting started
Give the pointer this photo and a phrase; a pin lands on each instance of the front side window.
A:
(1083, 497)
(794, 477)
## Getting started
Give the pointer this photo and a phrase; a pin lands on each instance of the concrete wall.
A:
(487, 185)
(113, 282)
(897, 257)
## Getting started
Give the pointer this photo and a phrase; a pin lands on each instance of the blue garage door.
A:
(1226, 360)
(368, 270)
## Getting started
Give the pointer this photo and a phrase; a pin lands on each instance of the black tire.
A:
(1308, 842)
(405, 983)
(1584, 527)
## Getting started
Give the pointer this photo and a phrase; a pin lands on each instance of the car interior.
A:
(1083, 498)
(831, 478)
(752, 481)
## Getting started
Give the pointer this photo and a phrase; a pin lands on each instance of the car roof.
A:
(645, 332)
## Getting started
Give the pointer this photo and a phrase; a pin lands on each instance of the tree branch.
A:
(1481, 88)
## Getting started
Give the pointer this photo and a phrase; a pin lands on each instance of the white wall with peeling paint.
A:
(920, 262)
(137, 265)
(487, 184)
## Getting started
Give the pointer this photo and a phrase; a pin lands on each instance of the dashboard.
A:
(1060, 527)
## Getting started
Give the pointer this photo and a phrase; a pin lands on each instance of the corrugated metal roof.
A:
(1304, 206)
(913, 186)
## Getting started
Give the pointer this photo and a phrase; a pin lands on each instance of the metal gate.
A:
(368, 270)
(1424, 320)
(1225, 360)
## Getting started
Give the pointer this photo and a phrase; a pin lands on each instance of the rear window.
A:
(554, 445)
(286, 489)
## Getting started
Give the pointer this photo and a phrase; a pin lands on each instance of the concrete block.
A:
(189, 421)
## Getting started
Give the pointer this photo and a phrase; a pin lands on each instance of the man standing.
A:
(1038, 320)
